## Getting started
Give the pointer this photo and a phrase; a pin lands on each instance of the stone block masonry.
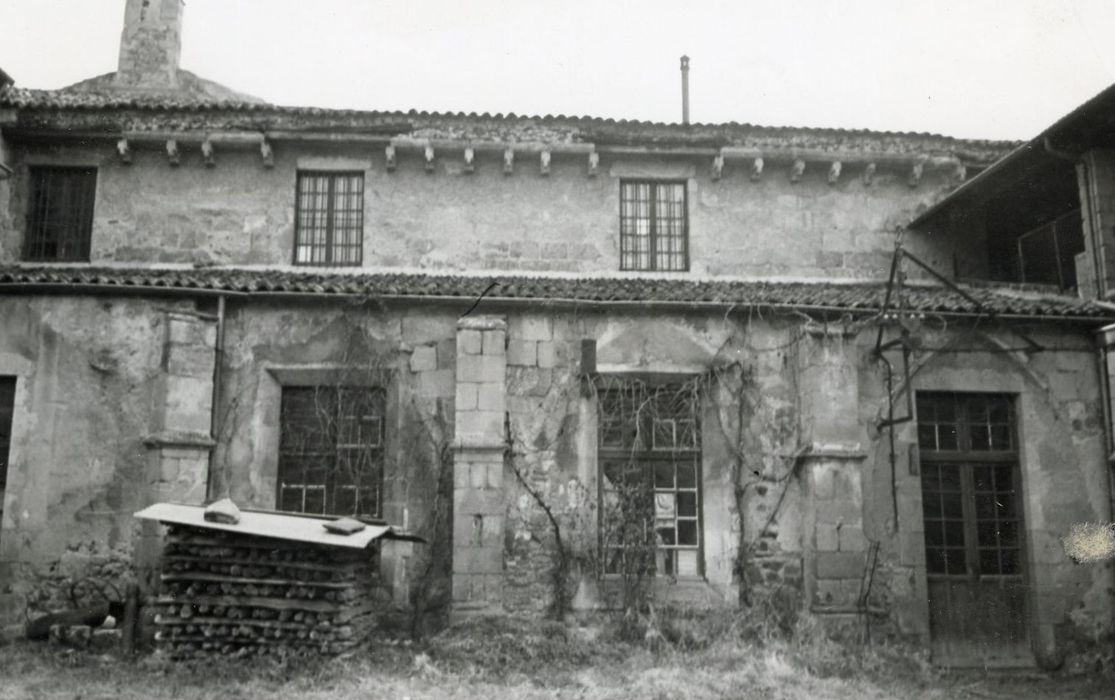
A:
(181, 419)
(479, 507)
(184, 399)
(151, 44)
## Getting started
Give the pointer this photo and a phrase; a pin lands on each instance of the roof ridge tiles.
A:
(114, 99)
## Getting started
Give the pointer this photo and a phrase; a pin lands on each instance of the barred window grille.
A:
(331, 451)
(650, 480)
(330, 219)
(60, 214)
(654, 226)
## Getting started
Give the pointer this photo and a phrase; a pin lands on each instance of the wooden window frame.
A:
(628, 255)
(966, 460)
(329, 229)
(65, 226)
(644, 453)
(331, 450)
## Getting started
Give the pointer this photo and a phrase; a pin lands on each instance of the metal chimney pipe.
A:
(684, 89)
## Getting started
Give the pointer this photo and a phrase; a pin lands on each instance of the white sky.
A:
(970, 68)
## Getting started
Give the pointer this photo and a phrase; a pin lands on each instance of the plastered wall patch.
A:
(1090, 542)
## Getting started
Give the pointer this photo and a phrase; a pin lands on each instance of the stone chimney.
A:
(150, 45)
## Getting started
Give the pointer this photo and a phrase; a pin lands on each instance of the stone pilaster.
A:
(835, 546)
(182, 415)
(479, 506)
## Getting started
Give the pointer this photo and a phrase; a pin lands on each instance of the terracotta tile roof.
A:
(856, 297)
(137, 110)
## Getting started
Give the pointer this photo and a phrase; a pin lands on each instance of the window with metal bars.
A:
(60, 214)
(329, 221)
(971, 496)
(653, 225)
(331, 450)
(650, 481)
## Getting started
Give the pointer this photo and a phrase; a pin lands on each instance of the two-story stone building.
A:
(587, 359)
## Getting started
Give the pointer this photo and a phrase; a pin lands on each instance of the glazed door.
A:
(971, 500)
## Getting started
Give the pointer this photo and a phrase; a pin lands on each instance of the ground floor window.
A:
(331, 450)
(650, 478)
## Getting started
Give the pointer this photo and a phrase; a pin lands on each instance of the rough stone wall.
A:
(240, 212)
(1064, 477)
(795, 474)
(87, 372)
(411, 354)
(747, 400)
(151, 44)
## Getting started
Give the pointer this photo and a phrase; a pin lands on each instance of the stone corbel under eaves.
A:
(431, 149)
(836, 163)
(207, 143)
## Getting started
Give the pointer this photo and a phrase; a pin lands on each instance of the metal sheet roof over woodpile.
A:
(283, 526)
(89, 104)
(863, 297)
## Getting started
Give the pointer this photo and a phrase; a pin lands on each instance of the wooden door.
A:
(971, 501)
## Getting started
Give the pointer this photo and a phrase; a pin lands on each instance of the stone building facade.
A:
(587, 359)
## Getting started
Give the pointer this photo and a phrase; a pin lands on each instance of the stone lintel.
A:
(482, 323)
(494, 447)
(834, 450)
(172, 438)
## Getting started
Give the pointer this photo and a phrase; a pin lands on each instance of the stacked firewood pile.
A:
(234, 594)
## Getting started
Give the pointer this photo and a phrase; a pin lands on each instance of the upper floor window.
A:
(331, 450)
(653, 225)
(329, 221)
(60, 214)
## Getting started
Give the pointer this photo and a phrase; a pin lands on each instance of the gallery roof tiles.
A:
(586, 291)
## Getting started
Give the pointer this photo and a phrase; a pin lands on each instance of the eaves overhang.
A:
(1068, 136)
(586, 292)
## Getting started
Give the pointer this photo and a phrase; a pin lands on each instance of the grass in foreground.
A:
(504, 659)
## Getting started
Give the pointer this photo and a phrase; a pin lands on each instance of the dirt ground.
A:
(38, 671)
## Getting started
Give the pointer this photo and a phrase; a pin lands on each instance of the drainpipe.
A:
(1104, 345)
(214, 412)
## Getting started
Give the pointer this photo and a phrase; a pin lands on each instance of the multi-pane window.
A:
(970, 484)
(653, 225)
(60, 214)
(650, 493)
(329, 227)
(331, 450)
